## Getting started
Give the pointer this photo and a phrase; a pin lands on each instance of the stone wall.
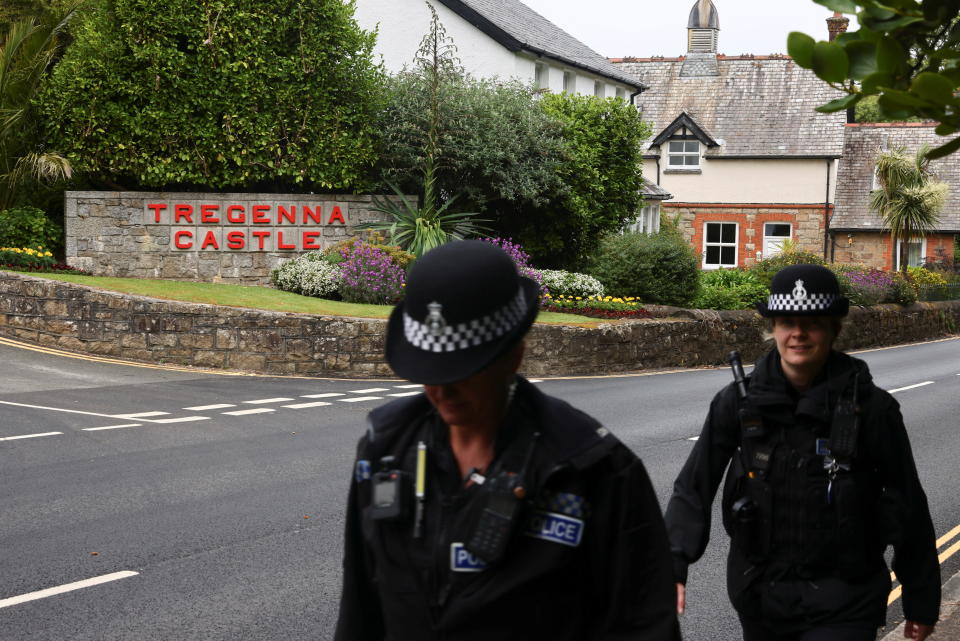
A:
(137, 234)
(875, 249)
(83, 319)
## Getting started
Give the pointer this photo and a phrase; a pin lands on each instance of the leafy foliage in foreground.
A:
(906, 52)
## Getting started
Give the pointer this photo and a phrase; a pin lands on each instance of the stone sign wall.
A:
(83, 319)
(233, 238)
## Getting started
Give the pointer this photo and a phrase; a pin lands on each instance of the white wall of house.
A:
(747, 181)
(402, 24)
(399, 37)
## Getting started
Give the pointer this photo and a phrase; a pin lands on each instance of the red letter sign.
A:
(260, 216)
(308, 212)
(237, 219)
(183, 211)
(156, 211)
(236, 240)
(210, 239)
(336, 215)
(260, 235)
(183, 233)
(208, 214)
(281, 245)
(289, 215)
(310, 240)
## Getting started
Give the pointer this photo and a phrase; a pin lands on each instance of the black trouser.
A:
(760, 631)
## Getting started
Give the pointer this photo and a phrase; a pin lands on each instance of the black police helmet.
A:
(804, 290)
(465, 305)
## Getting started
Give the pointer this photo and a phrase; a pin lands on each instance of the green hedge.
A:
(658, 268)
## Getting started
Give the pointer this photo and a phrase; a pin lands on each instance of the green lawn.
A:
(257, 297)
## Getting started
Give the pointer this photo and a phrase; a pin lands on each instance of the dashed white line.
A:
(359, 398)
(259, 410)
(404, 394)
(326, 395)
(142, 415)
(694, 438)
(368, 391)
(68, 587)
(419, 385)
(902, 389)
(536, 380)
(268, 400)
(200, 408)
(57, 409)
(110, 427)
(301, 406)
(182, 419)
(15, 438)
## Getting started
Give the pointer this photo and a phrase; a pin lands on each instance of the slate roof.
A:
(518, 27)
(655, 192)
(756, 106)
(862, 144)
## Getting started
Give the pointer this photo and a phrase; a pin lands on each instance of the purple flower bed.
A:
(369, 275)
(869, 286)
(521, 259)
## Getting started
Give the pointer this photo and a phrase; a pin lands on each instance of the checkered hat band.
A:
(468, 334)
(811, 303)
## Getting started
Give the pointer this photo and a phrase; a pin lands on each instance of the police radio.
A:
(502, 499)
(391, 492)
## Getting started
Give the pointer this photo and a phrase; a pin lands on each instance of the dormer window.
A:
(683, 154)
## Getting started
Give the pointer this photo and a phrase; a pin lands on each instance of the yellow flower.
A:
(579, 298)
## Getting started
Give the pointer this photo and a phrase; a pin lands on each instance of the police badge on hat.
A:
(804, 290)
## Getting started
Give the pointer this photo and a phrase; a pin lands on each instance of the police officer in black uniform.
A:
(820, 479)
(482, 508)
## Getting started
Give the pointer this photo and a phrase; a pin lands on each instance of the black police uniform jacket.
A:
(588, 558)
(823, 561)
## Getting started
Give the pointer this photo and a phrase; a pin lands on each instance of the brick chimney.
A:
(837, 25)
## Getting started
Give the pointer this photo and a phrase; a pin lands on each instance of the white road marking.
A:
(694, 438)
(110, 427)
(57, 409)
(419, 385)
(327, 395)
(259, 410)
(268, 400)
(359, 398)
(404, 394)
(300, 406)
(68, 587)
(14, 438)
(368, 391)
(200, 408)
(142, 415)
(182, 419)
(536, 380)
(901, 389)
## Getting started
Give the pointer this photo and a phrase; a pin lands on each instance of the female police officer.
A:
(820, 480)
(484, 509)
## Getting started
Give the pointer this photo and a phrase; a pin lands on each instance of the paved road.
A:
(221, 497)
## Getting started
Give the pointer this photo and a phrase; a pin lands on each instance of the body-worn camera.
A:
(498, 515)
(390, 499)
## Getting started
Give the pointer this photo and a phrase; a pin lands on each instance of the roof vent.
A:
(703, 28)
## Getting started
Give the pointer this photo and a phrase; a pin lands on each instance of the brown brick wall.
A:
(875, 249)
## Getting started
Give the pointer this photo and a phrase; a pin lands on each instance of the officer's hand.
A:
(681, 598)
(918, 631)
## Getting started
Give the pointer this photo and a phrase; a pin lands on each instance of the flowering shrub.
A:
(337, 253)
(596, 306)
(26, 257)
(563, 283)
(309, 275)
(370, 275)
(521, 259)
(921, 277)
(730, 289)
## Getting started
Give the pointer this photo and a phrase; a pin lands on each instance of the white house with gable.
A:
(496, 38)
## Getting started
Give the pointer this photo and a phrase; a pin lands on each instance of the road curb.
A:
(949, 624)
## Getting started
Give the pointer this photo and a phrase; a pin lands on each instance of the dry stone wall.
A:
(83, 319)
(231, 238)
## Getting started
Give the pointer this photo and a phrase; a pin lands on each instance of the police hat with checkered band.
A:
(465, 305)
(804, 290)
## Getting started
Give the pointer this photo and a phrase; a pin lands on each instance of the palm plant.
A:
(418, 229)
(27, 51)
(908, 198)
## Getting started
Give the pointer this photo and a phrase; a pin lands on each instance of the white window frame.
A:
(683, 155)
(598, 89)
(648, 219)
(896, 256)
(621, 93)
(763, 248)
(569, 82)
(541, 76)
(735, 244)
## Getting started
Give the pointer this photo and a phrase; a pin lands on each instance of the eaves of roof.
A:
(685, 120)
(512, 43)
